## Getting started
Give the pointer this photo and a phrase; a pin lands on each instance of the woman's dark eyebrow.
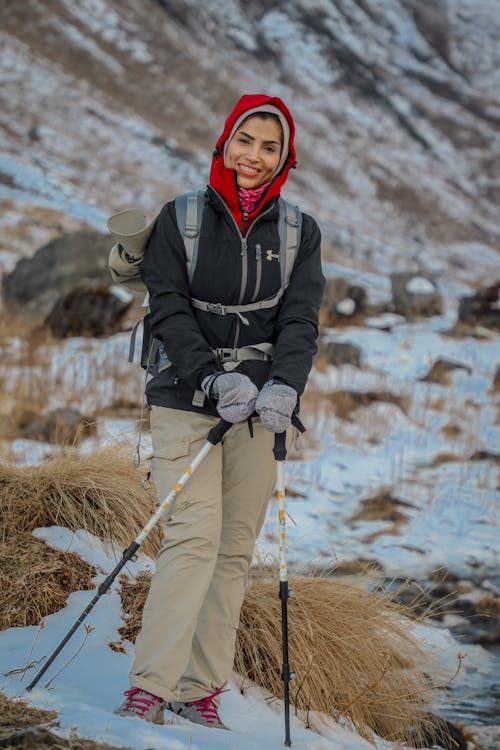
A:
(242, 132)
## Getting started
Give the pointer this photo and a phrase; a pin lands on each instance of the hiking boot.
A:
(203, 711)
(143, 705)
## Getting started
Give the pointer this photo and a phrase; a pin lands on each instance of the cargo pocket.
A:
(172, 451)
(169, 463)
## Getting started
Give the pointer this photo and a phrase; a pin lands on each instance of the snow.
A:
(92, 155)
(85, 689)
(346, 306)
(420, 285)
(453, 522)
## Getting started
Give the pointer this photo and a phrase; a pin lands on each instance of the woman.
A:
(184, 653)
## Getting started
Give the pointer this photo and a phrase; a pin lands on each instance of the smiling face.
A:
(254, 151)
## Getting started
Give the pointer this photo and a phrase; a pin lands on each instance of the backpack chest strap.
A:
(218, 309)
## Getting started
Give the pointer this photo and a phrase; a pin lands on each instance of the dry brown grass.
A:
(15, 323)
(444, 457)
(18, 713)
(36, 579)
(489, 604)
(440, 372)
(343, 403)
(100, 492)
(381, 507)
(354, 652)
(451, 431)
(22, 726)
(58, 426)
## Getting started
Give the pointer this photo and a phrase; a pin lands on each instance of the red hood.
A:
(223, 180)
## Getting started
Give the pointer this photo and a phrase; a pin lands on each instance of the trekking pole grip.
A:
(279, 449)
(217, 433)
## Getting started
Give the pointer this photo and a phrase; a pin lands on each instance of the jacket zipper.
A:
(258, 271)
(244, 255)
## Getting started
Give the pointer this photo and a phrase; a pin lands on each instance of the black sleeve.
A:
(164, 272)
(297, 325)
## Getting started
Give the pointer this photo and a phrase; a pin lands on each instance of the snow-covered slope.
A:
(109, 103)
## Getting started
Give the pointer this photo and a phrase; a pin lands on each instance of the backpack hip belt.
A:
(262, 352)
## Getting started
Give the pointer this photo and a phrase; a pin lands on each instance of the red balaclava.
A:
(223, 179)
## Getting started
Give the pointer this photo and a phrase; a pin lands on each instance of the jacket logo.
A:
(272, 256)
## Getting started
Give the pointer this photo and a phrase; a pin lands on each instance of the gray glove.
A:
(275, 404)
(235, 394)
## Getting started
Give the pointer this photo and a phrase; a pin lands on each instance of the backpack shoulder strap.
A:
(289, 228)
(189, 213)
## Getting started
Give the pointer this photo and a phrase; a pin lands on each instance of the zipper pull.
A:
(258, 252)
(244, 246)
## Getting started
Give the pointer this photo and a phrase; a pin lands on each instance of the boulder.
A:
(36, 283)
(342, 300)
(496, 380)
(339, 353)
(440, 371)
(345, 402)
(60, 426)
(485, 737)
(482, 308)
(88, 310)
(415, 294)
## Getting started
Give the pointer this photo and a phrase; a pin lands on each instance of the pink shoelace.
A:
(139, 704)
(208, 708)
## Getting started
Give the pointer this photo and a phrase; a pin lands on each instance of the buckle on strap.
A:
(226, 355)
(216, 308)
(242, 353)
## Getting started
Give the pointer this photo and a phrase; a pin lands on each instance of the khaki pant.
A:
(186, 646)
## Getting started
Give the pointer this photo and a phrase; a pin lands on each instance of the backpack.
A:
(189, 212)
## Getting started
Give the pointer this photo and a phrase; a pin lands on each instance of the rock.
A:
(440, 371)
(345, 402)
(60, 426)
(485, 737)
(381, 507)
(495, 386)
(415, 295)
(87, 310)
(482, 308)
(485, 455)
(339, 353)
(342, 300)
(36, 283)
(477, 628)
(440, 733)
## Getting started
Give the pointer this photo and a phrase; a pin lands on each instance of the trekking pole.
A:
(213, 438)
(279, 451)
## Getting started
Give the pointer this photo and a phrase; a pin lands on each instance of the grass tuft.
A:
(354, 652)
(100, 493)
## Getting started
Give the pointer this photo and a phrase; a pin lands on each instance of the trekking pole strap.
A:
(217, 433)
(279, 449)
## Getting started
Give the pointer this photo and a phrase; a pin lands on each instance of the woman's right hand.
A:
(235, 394)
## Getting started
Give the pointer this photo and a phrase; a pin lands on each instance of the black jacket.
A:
(189, 335)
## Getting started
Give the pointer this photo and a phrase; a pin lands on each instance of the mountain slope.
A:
(112, 103)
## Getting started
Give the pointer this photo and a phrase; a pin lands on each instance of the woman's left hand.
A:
(275, 405)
